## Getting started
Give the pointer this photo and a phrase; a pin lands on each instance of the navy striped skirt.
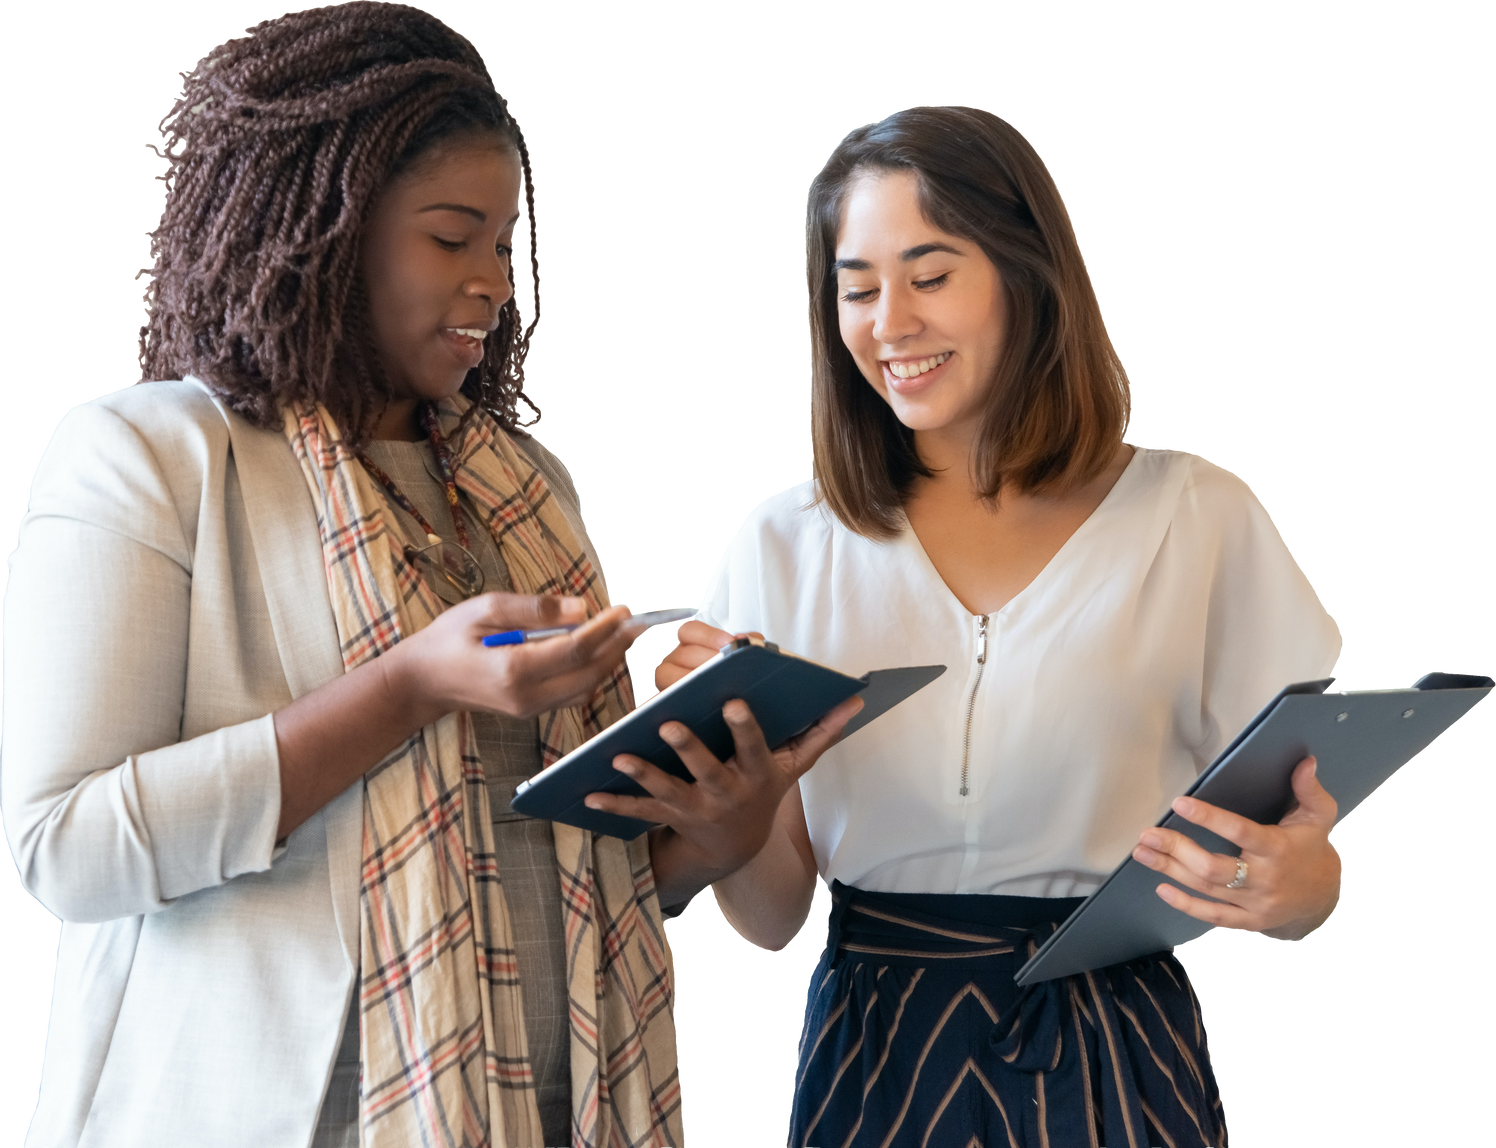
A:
(916, 1036)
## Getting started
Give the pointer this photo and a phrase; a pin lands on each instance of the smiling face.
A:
(921, 311)
(436, 267)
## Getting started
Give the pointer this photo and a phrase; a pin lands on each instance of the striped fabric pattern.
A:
(442, 1036)
(916, 1036)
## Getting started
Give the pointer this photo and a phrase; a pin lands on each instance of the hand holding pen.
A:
(639, 622)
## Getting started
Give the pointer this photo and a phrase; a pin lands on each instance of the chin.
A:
(922, 417)
(435, 390)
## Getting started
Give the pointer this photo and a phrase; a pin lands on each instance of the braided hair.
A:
(276, 151)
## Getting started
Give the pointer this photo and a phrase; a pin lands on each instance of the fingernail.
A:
(735, 711)
(623, 765)
(1184, 806)
(592, 803)
(1152, 840)
(1144, 855)
(672, 733)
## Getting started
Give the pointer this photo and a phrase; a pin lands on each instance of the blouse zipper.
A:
(971, 702)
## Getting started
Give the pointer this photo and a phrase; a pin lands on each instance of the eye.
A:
(859, 296)
(448, 244)
(931, 284)
(504, 250)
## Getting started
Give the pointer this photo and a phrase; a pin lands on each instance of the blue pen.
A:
(515, 637)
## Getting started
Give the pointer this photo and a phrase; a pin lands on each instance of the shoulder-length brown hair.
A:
(1058, 402)
(277, 150)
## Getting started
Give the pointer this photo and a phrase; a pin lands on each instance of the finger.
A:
(1316, 806)
(1235, 829)
(500, 611)
(628, 805)
(689, 657)
(597, 631)
(751, 755)
(556, 673)
(578, 688)
(1219, 913)
(698, 633)
(698, 760)
(666, 675)
(1185, 861)
(808, 747)
(602, 639)
(664, 787)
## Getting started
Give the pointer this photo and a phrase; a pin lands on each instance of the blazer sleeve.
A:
(108, 813)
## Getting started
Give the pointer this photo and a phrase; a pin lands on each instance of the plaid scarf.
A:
(441, 1012)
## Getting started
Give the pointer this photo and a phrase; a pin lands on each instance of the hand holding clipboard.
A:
(1358, 739)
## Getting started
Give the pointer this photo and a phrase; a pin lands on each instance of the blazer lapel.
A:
(288, 550)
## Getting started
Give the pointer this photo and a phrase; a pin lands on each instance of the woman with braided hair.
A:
(257, 757)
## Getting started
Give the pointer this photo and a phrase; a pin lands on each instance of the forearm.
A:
(768, 899)
(333, 735)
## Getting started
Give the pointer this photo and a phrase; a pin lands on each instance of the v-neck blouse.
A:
(1165, 622)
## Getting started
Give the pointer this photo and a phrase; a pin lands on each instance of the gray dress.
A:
(510, 749)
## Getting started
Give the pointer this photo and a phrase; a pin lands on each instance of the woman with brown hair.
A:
(1110, 616)
(257, 757)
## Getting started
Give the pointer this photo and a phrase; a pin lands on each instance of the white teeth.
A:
(469, 332)
(911, 370)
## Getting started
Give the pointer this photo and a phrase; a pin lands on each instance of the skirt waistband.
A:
(939, 928)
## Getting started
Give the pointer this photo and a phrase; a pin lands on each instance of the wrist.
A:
(681, 870)
(405, 687)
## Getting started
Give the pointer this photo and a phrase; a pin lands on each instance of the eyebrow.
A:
(473, 211)
(480, 216)
(906, 256)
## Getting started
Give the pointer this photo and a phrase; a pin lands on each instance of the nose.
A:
(490, 281)
(895, 315)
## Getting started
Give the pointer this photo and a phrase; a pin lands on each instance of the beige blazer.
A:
(168, 596)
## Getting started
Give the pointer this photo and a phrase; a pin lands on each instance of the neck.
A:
(946, 451)
(400, 422)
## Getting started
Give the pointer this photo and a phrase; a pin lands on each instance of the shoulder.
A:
(556, 474)
(151, 442)
(780, 549)
(1195, 492)
(165, 412)
(141, 460)
(792, 519)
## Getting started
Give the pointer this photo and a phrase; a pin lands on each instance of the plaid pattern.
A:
(442, 1036)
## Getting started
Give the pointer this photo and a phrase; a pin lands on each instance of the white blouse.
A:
(1066, 721)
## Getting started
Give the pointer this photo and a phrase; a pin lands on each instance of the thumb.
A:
(808, 747)
(1315, 802)
(530, 611)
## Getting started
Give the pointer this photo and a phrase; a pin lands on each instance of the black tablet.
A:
(786, 694)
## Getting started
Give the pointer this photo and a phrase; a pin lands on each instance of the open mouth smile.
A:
(466, 343)
(911, 370)
(906, 376)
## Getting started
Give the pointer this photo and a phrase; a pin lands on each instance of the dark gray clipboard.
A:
(787, 695)
(1359, 740)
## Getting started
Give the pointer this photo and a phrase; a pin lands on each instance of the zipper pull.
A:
(982, 640)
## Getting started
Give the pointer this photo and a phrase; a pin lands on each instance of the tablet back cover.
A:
(786, 694)
(1359, 739)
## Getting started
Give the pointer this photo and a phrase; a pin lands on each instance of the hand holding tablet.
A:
(785, 694)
